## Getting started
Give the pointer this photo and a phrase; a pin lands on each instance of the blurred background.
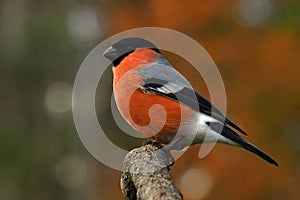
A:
(255, 44)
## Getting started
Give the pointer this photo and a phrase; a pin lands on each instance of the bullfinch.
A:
(144, 77)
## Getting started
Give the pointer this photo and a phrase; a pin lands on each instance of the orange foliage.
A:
(260, 68)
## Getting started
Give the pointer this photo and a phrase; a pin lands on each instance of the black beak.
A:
(111, 54)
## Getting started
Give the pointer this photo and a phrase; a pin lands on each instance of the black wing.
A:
(186, 96)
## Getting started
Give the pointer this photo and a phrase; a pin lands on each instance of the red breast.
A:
(141, 102)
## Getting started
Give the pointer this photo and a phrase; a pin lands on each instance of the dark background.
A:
(255, 44)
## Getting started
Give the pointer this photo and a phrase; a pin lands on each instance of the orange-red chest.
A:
(134, 104)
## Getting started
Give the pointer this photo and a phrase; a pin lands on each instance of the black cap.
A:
(118, 51)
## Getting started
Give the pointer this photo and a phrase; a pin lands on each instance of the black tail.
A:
(230, 134)
(250, 147)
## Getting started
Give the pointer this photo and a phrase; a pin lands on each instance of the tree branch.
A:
(147, 174)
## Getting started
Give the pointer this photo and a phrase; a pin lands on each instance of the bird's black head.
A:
(118, 51)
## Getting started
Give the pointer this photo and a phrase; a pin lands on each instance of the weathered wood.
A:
(147, 174)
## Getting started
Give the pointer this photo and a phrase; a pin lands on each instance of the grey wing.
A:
(164, 80)
(163, 71)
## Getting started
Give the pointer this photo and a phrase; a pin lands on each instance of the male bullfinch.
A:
(149, 79)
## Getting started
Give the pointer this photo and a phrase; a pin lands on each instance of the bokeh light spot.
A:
(84, 25)
(58, 97)
(71, 172)
(252, 12)
(196, 183)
